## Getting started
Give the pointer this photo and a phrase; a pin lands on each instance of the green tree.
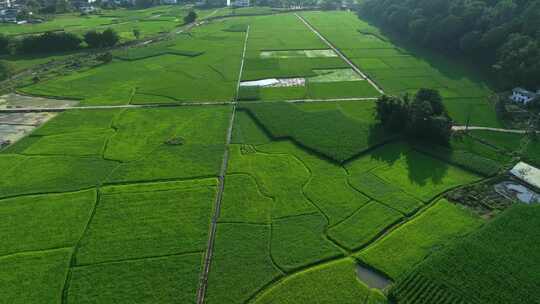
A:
(105, 57)
(110, 37)
(190, 17)
(6, 70)
(434, 98)
(4, 44)
(470, 42)
(519, 60)
(425, 118)
(92, 39)
(136, 33)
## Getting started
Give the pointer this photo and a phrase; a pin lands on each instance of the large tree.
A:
(423, 118)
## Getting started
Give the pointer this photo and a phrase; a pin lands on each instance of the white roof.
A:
(527, 173)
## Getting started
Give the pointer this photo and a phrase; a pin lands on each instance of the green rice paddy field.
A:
(119, 205)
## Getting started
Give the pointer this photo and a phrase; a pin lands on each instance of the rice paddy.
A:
(153, 202)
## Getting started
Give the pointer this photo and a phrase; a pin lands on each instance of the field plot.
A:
(287, 216)
(285, 60)
(65, 216)
(202, 66)
(110, 239)
(401, 250)
(112, 146)
(137, 235)
(364, 225)
(404, 178)
(405, 70)
(171, 279)
(241, 255)
(34, 277)
(121, 228)
(115, 205)
(329, 133)
(149, 21)
(497, 264)
(326, 283)
(512, 143)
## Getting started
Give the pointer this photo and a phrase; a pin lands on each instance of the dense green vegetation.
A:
(155, 19)
(34, 277)
(328, 187)
(399, 252)
(318, 130)
(508, 272)
(64, 216)
(291, 50)
(172, 279)
(299, 240)
(499, 33)
(120, 206)
(403, 178)
(517, 144)
(422, 118)
(364, 225)
(326, 283)
(120, 228)
(406, 69)
(112, 146)
(211, 76)
(242, 256)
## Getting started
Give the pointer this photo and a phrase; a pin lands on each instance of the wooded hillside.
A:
(504, 34)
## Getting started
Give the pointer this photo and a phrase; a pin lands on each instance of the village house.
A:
(523, 96)
(5, 4)
(527, 174)
(8, 15)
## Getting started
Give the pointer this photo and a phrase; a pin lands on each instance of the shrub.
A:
(4, 44)
(191, 17)
(107, 38)
(6, 70)
(49, 42)
(92, 38)
(329, 133)
(110, 37)
(105, 57)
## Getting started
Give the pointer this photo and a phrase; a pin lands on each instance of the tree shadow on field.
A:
(451, 66)
(388, 154)
(423, 167)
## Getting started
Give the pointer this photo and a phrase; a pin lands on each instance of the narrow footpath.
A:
(473, 128)
(168, 105)
(203, 283)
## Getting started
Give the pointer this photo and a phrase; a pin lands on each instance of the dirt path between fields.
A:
(48, 108)
(472, 128)
(352, 65)
(203, 283)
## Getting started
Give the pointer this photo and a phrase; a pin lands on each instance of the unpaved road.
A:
(473, 128)
(23, 109)
(203, 284)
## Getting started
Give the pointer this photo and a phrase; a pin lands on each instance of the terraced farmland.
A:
(179, 178)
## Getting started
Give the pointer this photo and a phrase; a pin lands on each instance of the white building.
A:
(527, 174)
(522, 96)
(169, 2)
(8, 15)
(5, 4)
(240, 3)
